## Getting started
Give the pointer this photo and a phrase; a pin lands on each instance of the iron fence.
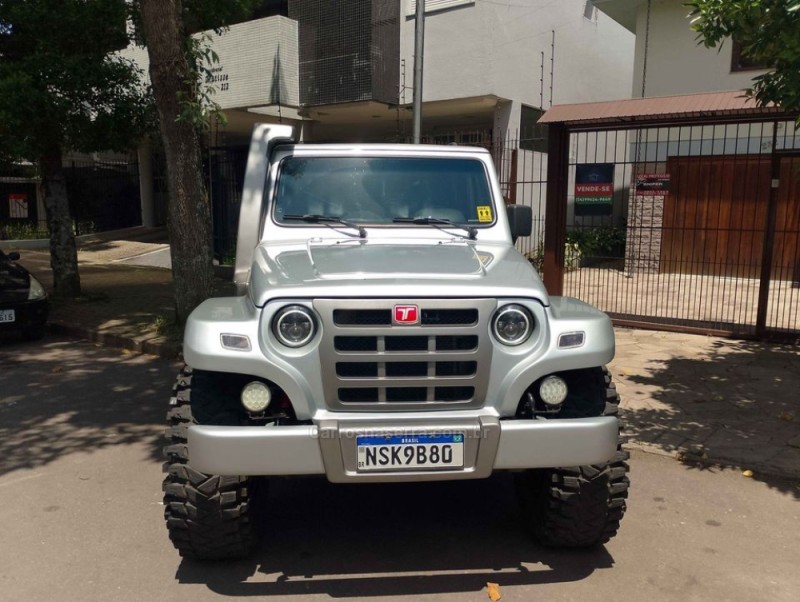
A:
(694, 226)
(225, 167)
(103, 195)
(678, 227)
(520, 159)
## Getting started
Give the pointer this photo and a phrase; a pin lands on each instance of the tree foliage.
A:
(769, 31)
(62, 88)
(59, 81)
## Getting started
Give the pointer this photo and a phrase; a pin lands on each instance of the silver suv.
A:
(386, 329)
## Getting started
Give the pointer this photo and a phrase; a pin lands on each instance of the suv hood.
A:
(396, 269)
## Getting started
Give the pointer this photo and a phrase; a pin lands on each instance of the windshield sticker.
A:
(484, 213)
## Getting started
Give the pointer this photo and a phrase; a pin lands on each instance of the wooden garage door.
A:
(786, 254)
(716, 212)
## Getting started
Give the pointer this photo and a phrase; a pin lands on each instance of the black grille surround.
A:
(369, 364)
(383, 317)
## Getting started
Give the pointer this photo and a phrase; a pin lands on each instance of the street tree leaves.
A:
(62, 88)
(769, 32)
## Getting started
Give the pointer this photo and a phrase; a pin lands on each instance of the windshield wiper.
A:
(313, 218)
(437, 221)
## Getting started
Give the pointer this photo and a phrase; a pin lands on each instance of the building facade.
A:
(668, 59)
(344, 70)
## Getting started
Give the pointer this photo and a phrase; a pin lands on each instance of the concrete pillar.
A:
(506, 119)
(145, 157)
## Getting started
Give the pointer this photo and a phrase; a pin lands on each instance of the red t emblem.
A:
(406, 314)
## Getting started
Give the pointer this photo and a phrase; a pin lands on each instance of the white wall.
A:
(676, 64)
(495, 48)
(258, 63)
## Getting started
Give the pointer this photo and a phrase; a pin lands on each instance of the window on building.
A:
(740, 61)
(271, 8)
(532, 135)
(235, 14)
(266, 8)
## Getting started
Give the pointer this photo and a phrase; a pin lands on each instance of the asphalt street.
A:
(81, 515)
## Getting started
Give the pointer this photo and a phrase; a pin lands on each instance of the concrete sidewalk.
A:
(692, 397)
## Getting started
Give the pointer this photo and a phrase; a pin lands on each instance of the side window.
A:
(740, 61)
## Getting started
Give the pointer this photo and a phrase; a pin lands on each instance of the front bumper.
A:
(330, 447)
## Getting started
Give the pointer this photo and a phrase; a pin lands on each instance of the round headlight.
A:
(256, 397)
(512, 325)
(294, 326)
(553, 390)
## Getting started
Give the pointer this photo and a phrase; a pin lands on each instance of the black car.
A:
(23, 300)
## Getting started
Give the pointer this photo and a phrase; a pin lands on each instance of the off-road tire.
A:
(579, 506)
(208, 516)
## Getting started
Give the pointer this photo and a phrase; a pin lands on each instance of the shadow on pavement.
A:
(392, 539)
(60, 397)
(732, 403)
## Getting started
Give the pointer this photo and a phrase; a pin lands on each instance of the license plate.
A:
(7, 315)
(410, 452)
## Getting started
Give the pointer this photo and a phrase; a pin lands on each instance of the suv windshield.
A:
(380, 190)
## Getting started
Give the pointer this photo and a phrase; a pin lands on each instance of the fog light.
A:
(256, 397)
(553, 390)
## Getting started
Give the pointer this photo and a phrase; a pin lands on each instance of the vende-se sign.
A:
(594, 188)
(587, 190)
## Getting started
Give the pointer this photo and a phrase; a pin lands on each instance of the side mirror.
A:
(13, 256)
(520, 220)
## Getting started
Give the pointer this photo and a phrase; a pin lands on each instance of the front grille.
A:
(383, 317)
(355, 343)
(362, 317)
(370, 364)
(413, 343)
(405, 369)
(407, 343)
(449, 317)
(407, 395)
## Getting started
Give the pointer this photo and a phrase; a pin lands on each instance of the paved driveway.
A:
(81, 515)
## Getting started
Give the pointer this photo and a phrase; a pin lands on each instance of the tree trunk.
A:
(63, 254)
(189, 215)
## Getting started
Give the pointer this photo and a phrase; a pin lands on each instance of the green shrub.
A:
(605, 241)
(21, 231)
(28, 231)
(572, 257)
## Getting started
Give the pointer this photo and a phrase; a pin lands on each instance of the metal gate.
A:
(686, 226)
(103, 194)
(225, 168)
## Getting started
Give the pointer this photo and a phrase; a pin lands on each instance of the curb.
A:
(705, 458)
(156, 346)
(44, 243)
